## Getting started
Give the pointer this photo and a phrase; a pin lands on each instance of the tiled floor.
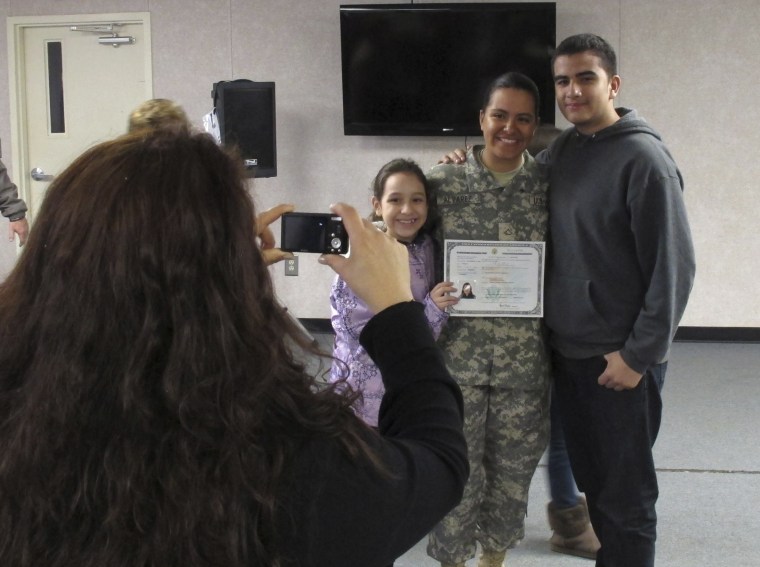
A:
(708, 455)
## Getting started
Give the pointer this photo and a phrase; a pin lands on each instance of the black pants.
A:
(609, 438)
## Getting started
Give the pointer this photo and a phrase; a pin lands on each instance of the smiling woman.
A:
(501, 363)
(508, 121)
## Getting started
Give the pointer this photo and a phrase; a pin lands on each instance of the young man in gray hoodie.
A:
(620, 272)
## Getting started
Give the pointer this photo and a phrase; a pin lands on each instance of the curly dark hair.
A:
(151, 391)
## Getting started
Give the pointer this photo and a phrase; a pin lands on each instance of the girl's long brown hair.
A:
(151, 394)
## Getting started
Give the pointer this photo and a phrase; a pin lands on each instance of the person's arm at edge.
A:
(18, 227)
(399, 355)
(421, 416)
(13, 208)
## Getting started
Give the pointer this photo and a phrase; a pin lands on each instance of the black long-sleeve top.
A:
(349, 515)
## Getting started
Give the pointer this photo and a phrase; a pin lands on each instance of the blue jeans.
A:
(562, 488)
(609, 437)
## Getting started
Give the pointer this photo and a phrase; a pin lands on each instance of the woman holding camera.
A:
(153, 409)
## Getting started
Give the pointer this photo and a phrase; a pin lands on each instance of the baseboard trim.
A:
(320, 326)
(684, 334)
(718, 334)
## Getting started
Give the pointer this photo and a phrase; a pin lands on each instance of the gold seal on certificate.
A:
(496, 278)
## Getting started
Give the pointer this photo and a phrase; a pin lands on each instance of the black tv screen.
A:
(422, 69)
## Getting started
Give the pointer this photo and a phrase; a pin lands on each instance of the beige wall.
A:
(689, 66)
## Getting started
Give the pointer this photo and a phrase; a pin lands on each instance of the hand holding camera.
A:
(377, 269)
(271, 254)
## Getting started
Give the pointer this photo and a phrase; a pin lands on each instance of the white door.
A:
(72, 89)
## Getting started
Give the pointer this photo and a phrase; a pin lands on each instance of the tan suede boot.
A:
(452, 565)
(573, 533)
(492, 558)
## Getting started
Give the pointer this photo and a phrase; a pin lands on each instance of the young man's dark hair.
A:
(589, 42)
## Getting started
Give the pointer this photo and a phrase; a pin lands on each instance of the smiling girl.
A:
(401, 206)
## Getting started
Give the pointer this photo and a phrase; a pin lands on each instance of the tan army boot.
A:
(492, 558)
(573, 533)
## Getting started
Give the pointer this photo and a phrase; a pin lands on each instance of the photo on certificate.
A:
(496, 278)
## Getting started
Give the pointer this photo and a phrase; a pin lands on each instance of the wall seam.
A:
(229, 38)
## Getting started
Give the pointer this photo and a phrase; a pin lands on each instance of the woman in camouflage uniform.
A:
(500, 363)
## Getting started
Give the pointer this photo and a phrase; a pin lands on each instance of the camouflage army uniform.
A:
(501, 364)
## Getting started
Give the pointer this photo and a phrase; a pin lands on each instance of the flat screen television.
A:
(422, 69)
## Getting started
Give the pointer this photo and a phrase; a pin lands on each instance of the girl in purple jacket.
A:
(401, 204)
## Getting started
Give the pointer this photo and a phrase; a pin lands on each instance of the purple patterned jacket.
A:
(349, 314)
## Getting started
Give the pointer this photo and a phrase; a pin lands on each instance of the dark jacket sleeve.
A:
(665, 256)
(362, 517)
(10, 205)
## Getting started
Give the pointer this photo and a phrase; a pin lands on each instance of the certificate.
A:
(496, 278)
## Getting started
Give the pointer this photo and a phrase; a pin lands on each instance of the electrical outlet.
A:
(291, 266)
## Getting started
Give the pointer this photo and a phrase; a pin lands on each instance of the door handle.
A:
(38, 174)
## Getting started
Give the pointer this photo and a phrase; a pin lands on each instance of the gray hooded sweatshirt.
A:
(621, 260)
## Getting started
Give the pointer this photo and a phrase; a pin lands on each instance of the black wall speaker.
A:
(245, 111)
